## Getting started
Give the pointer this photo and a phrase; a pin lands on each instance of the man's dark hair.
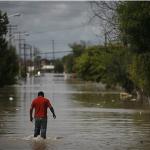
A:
(41, 93)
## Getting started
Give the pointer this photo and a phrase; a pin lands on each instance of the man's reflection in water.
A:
(39, 145)
(43, 145)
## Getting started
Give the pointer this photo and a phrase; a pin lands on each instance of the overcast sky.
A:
(63, 22)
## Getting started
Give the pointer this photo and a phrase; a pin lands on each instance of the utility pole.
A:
(105, 34)
(30, 49)
(33, 54)
(19, 40)
(53, 50)
(25, 63)
(22, 60)
(20, 52)
(27, 47)
(21, 45)
(11, 28)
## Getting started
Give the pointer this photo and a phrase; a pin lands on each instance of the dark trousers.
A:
(40, 127)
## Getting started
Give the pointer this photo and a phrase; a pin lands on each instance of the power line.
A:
(44, 53)
(53, 48)
(55, 52)
(11, 28)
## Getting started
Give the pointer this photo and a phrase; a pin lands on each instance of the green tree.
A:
(90, 65)
(68, 62)
(134, 24)
(117, 68)
(3, 25)
(105, 65)
(8, 66)
(59, 68)
(8, 57)
(78, 48)
(139, 71)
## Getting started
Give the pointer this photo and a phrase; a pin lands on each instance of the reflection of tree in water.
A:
(5, 94)
(7, 105)
(99, 100)
(92, 94)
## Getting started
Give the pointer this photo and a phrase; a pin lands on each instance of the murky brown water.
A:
(88, 118)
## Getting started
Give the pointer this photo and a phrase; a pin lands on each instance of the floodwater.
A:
(88, 117)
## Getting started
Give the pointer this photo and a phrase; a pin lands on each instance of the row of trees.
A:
(125, 62)
(8, 57)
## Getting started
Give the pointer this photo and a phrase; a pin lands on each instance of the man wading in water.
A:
(40, 104)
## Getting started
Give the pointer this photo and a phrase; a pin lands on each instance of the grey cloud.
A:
(61, 21)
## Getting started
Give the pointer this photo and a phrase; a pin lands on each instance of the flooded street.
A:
(88, 118)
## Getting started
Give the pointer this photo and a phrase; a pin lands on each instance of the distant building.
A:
(46, 65)
(30, 68)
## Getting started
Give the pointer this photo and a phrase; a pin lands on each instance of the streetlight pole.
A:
(20, 39)
(12, 27)
(26, 47)
(53, 49)
(10, 32)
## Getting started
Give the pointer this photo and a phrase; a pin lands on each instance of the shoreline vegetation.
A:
(123, 62)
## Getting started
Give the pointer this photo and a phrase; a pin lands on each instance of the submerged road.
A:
(88, 118)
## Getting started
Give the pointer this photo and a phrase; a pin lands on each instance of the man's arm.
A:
(53, 112)
(31, 111)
